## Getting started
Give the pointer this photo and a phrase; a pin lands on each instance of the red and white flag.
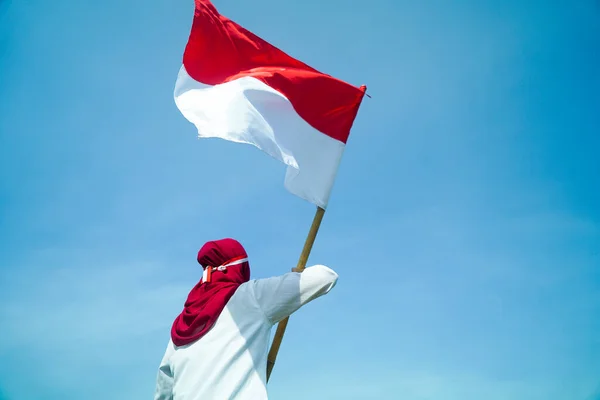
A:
(235, 86)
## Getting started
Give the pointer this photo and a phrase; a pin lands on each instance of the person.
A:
(219, 342)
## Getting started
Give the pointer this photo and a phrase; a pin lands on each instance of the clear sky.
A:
(464, 224)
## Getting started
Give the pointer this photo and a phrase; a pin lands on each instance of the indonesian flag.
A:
(235, 86)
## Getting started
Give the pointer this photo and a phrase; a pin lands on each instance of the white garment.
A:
(230, 361)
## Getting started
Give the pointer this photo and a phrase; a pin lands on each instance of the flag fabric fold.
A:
(236, 86)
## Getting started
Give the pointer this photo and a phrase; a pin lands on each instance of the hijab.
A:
(228, 267)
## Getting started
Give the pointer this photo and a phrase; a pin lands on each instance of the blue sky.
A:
(464, 224)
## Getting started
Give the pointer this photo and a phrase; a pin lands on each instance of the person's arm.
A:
(164, 380)
(281, 296)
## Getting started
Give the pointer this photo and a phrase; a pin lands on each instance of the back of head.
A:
(221, 252)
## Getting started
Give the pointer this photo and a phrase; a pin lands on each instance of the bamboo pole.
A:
(308, 244)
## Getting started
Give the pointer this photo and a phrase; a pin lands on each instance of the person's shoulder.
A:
(245, 292)
(245, 297)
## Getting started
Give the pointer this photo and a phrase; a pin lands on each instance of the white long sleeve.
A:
(280, 296)
(230, 361)
(164, 378)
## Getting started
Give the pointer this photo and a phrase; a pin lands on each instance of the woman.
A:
(219, 342)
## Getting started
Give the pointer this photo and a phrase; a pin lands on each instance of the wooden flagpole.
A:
(310, 240)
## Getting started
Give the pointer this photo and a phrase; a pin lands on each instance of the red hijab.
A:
(207, 299)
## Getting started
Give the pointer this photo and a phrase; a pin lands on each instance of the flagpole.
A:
(308, 244)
